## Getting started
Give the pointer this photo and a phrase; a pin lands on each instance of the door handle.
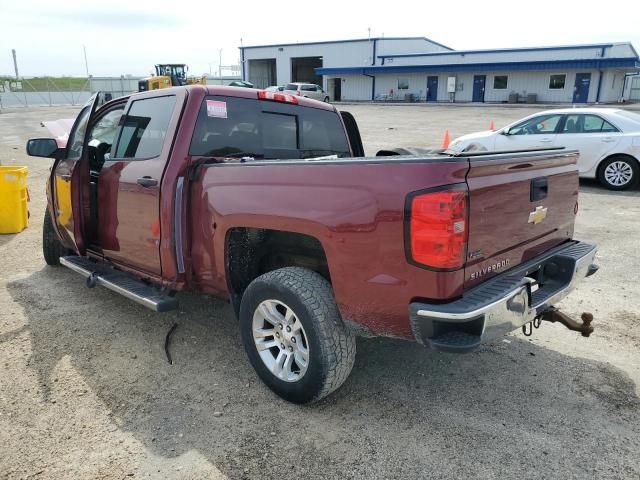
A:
(546, 140)
(608, 140)
(147, 181)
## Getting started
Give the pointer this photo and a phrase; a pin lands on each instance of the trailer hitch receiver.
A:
(552, 314)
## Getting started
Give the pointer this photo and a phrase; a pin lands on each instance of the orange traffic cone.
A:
(446, 140)
(491, 125)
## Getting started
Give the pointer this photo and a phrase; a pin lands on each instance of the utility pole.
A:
(15, 63)
(220, 63)
(86, 65)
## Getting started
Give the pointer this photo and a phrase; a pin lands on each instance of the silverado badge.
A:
(538, 215)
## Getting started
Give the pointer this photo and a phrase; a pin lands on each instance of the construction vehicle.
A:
(169, 75)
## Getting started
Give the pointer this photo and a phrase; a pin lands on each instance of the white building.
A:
(419, 68)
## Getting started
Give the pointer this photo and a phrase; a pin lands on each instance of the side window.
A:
(587, 124)
(102, 137)
(145, 127)
(594, 123)
(500, 82)
(556, 82)
(540, 125)
(104, 130)
(76, 139)
(573, 124)
(308, 88)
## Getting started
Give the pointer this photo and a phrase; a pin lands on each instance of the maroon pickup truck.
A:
(267, 200)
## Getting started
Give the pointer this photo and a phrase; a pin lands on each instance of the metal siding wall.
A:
(404, 46)
(612, 84)
(259, 73)
(617, 51)
(356, 87)
(334, 55)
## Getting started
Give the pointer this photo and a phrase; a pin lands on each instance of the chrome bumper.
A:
(505, 302)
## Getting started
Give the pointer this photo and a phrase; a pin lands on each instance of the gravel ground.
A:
(86, 391)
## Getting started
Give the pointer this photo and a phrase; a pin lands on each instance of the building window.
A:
(556, 82)
(403, 84)
(500, 82)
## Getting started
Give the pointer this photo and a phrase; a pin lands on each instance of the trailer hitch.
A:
(552, 314)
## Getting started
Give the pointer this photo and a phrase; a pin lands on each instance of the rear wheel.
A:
(618, 172)
(52, 249)
(294, 336)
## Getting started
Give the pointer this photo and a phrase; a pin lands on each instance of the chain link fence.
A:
(48, 91)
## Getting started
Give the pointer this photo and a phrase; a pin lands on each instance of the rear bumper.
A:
(505, 302)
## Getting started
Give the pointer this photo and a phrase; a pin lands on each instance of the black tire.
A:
(331, 345)
(326, 99)
(629, 164)
(52, 249)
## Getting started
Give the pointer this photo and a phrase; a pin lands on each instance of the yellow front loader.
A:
(169, 75)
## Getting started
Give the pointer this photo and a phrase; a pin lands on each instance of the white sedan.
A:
(608, 140)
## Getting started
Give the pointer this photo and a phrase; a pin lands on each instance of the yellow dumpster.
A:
(13, 199)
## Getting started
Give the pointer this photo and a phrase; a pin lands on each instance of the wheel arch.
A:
(610, 156)
(251, 252)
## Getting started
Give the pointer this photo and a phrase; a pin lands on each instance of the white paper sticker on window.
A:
(216, 109)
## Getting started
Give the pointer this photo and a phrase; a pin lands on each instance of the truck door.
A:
(129, 184)
(71, 181)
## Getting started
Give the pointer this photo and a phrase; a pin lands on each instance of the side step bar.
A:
(120, 282)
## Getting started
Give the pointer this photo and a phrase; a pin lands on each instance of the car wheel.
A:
(618, 172)
(52, 249)
(294, 336)
(326, 99)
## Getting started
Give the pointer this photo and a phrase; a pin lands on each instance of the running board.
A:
(120, 282)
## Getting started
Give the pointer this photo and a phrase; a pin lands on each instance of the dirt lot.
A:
(86, 391)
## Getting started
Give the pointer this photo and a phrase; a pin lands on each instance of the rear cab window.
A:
(242, 127)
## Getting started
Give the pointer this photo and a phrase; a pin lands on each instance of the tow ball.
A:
(552, 314)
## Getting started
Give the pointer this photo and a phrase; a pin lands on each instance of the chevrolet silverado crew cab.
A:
(266, 199)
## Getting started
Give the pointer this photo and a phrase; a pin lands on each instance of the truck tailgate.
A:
(520, 205)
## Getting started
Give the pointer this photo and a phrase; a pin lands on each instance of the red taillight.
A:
(438, 229)
(277, 97)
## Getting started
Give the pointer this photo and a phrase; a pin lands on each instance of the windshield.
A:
(242, 127)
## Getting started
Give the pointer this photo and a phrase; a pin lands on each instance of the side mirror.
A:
(505, 132)
(42, 147)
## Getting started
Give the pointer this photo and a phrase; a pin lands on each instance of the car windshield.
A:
(240, 127)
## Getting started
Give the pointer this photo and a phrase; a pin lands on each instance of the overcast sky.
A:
(129, 37)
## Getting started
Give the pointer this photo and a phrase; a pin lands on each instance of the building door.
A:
(479, 82)
(337, 89)
(581, 88)
(432, 89)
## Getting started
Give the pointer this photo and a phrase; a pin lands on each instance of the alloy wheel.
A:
(618, 173)
(280, 340)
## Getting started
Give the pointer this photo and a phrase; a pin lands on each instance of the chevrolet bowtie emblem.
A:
(538, 215)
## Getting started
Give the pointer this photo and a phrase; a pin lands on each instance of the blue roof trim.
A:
(504, 50)
(353, 40)
(466, 67)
